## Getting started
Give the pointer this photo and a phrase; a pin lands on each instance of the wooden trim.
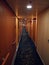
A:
(5, 59)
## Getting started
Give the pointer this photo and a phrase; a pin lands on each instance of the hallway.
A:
(24, 32)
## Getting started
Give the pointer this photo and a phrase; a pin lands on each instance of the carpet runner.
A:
(27, 54)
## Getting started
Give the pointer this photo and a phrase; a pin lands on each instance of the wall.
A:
(31, 27)
(43, 36)
(28, 27)
(17, 31)
(7, 34)
(20, 29)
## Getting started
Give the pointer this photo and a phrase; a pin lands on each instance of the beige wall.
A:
(43, 36)
(7, 33)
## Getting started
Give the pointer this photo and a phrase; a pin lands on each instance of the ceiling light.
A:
(29, 6)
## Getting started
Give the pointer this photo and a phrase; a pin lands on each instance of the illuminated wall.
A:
(43, 36)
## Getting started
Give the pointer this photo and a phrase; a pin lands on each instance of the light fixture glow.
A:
(29, 6)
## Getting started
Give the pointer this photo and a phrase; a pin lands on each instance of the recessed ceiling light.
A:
(29, 6)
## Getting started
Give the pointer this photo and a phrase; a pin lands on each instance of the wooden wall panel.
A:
(31, 28)
(20, 29)
(7, 32)
(34, 25)
(17, 31)
(28, 27)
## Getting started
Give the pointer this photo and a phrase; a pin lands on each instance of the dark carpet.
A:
(27, 54)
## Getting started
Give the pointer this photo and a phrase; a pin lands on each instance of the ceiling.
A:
(20, 5)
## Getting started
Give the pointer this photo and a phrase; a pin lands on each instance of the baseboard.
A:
(40, 57)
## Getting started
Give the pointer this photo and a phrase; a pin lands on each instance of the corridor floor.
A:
(27, 54)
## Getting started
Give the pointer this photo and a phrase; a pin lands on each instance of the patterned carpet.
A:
(27, 54)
